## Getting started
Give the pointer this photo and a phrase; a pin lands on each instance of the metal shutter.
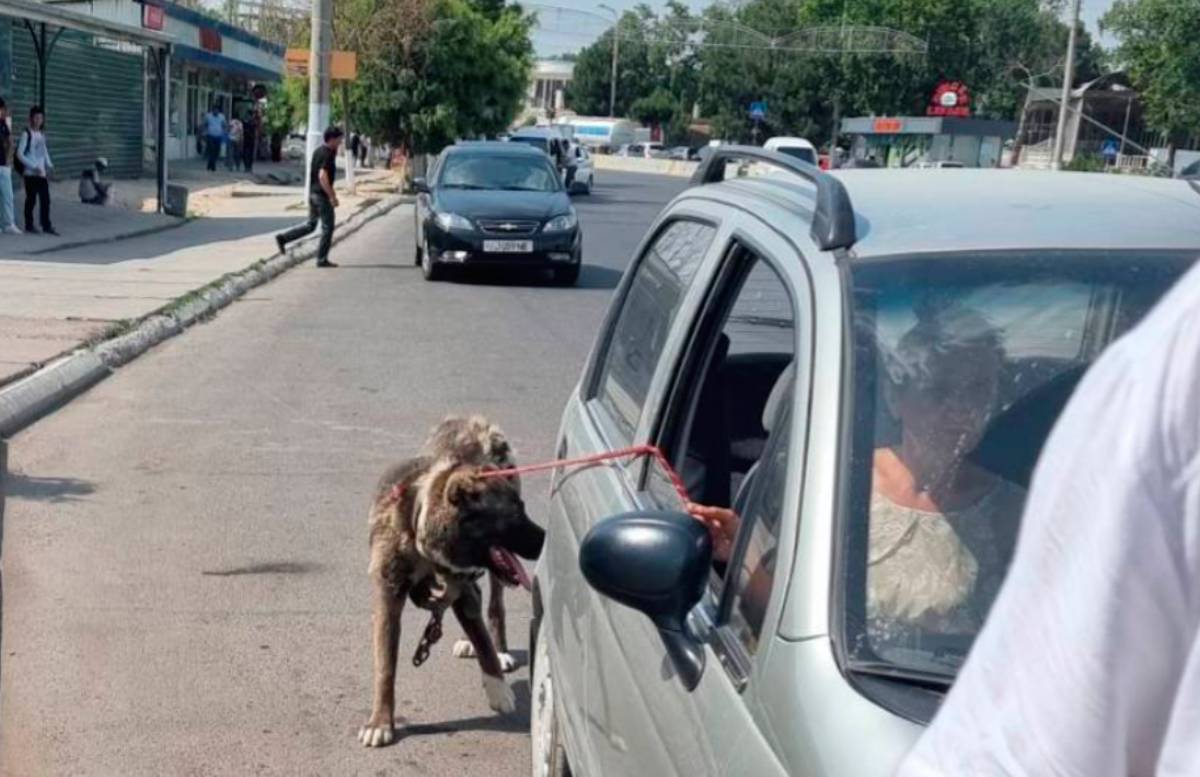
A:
(93, 100)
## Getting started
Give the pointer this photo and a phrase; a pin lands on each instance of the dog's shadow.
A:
(516, 722)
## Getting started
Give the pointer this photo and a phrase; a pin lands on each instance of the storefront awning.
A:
(60, 16)
(223, 63)
(928, 125)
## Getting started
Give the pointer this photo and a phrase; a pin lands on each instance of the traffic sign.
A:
(758, 110)
(343, 65)
(1110, 149)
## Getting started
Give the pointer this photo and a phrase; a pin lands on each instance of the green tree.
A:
(993, 46)
(1158, 45)
(417, 88)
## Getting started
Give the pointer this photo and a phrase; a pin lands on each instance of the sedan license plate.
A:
(508, 246)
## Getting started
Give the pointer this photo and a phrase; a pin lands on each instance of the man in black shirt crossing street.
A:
(322, 199)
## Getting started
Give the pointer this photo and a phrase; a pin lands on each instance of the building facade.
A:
(211, 62)
(547, 86)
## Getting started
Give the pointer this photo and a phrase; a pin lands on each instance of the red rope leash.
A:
(596, 458)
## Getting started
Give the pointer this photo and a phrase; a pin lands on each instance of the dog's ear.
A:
(460, 486)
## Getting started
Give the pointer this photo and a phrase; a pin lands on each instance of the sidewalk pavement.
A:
(116, 264)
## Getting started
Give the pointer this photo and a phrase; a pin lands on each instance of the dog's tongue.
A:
(513, 564)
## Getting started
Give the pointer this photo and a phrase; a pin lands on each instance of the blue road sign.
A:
(758, 111)
(1110, 149)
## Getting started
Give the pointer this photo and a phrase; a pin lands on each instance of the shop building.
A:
(211, 61)
(946, 133)
(88, 75)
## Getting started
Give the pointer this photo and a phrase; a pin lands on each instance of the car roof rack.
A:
(833, 218)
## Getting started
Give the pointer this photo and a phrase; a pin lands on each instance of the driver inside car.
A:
(942, 529)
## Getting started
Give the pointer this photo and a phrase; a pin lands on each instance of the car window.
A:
(727, 429)
(751, 570)
(963, 364)
(647, 312)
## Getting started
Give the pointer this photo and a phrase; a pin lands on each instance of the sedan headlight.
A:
(563, 223)
(450, 221)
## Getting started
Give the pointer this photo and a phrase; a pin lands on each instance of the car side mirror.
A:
(420, 186)
(657, 563)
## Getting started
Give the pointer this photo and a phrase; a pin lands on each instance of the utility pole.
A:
(350, 154)
(612, 93)
(318, 81)
(1060, 135)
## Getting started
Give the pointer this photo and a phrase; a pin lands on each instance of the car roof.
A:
(536, 132)
(785, 141)
(492, 147)
(900, 211)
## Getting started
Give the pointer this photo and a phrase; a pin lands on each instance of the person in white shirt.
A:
(35, 160)
(1089, 663)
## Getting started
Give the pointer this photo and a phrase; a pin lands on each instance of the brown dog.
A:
(437, 523)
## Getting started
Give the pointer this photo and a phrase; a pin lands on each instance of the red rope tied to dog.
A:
(634, 451)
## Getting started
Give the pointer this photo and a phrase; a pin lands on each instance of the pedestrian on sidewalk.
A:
(250, 132)
(322, 198)
(233, 156)
(1089, 663)
(8, 223)
(215, 128)
(34, 157)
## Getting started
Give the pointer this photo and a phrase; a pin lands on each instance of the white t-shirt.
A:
(1089, 664)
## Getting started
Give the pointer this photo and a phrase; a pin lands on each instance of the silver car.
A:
(857, 371)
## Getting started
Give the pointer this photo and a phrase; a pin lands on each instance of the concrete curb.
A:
(31, 397)
(113, 239)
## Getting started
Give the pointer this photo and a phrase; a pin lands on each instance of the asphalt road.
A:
(185, 547)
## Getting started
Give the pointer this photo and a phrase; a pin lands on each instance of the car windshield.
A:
(799, 152)
(542, 144)
(962, 365)
(496, 171)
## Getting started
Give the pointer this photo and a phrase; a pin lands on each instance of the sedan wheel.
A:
(429, 268)
(549, 757)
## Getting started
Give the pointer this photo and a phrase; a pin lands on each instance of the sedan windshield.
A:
(508, 173)
(800, 152)
(962, 365)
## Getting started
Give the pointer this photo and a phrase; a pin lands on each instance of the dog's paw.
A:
(464, 649)
(372, 735)
(507, 662)
(500, 697)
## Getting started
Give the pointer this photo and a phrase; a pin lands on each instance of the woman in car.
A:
(942, 529)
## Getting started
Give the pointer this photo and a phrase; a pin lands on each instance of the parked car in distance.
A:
(860, 163)
(489, 204)
(644, 150)
(944, 164)
(794, 147)
(585, 170)
(784, 341)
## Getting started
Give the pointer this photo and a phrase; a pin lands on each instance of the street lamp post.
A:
(612, 93)
(1060, 134)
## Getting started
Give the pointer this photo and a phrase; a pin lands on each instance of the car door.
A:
(741, 350)
(665, 282)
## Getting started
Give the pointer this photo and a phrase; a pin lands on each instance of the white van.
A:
(796, 147)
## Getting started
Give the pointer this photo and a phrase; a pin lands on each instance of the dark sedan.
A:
(496, 204)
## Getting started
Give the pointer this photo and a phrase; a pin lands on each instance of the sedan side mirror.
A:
(420, 186)
(657, 563)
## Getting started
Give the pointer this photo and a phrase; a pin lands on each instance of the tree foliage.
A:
(654, 54)
(1159, 46)
(996, 47)
(431, 71)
